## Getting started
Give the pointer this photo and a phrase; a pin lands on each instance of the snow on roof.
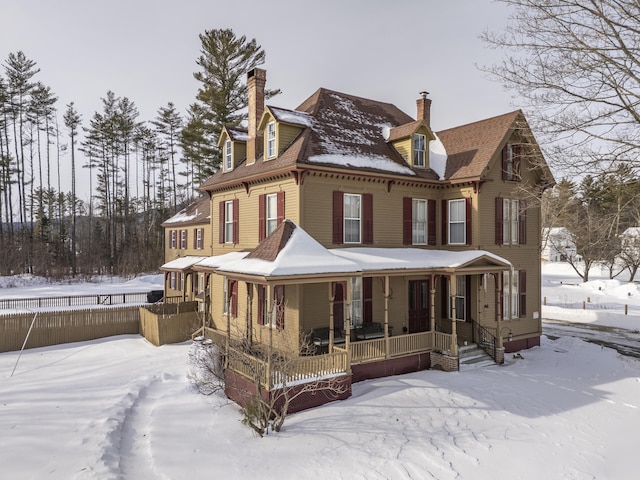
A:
(291, 116)
(438, 157)
(302, 255)
(182, 263)
(362, 161)
(182, 216)
(221, 260)
(238, 135)
(370, 259)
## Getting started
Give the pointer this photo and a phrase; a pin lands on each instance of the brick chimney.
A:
(256, 81)
(424, 108)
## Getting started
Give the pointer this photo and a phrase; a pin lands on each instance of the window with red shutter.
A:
(407, 218)
(281, 212)
(367, 217)
(522, 284)
(262, 215)
(221, 213)
(431, 222)
(499, 221)
(236, 223)
(338, 213)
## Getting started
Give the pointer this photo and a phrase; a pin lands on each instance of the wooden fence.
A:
(54, 328)
(164, 323)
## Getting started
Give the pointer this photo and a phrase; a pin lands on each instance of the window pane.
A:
(271, 213)
(514, 221)
(457, 220)
(228, 222)
(351, 218)
(419, 230)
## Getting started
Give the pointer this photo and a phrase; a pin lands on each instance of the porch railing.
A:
(317, 366)
(486, 340)
(374, 350)
(281, 372)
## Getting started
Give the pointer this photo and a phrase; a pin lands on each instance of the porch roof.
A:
(300, 257)
(182, 263)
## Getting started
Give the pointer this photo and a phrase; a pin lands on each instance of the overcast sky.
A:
(146, 50)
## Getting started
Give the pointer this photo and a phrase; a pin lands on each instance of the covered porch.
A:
(360, 311)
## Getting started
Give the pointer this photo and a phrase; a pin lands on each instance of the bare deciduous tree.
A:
(576, 63)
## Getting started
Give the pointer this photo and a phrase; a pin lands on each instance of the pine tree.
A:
(224, 61)
(72, 122)
(168, 124)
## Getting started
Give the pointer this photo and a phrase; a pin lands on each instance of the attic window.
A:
(419, 150)
(228, 163)
(271, 139)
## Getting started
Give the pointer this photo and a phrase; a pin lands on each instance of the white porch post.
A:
(249, 333)
(332, 298)
(499, 294)
(347, 322)
(387, 293)
(432, 312)
(452, 298)
(271, 314)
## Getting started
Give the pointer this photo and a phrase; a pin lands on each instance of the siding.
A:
(249, 210)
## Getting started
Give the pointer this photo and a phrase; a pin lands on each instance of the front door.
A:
(418, 306)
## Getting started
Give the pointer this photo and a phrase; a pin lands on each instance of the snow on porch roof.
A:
(301, 255)
(182, 263)
(376, 259)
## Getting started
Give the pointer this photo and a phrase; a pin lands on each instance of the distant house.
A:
(558, 245)
(187, 237)
(348, 222)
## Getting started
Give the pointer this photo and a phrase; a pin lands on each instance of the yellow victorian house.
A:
(347, 225)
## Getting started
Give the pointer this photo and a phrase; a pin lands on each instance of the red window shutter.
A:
(221, 223)
(186, 238)
(445, 222)
(195, 238)
(367, 215)
(522, 223)
(522, 284)
(499, 221)
(367, 296)
(261, 295)
(278, 294)
(431, 222)
(262, 215)
(468, 222)
(234, 298)
(338, 217)
(236, 223)
(407, 220)
(280, 201)
(505, 154)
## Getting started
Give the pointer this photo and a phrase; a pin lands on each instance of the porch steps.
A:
(472, 356)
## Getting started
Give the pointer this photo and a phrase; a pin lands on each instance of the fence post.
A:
(584, 305)
(545, 301)
(626, 309)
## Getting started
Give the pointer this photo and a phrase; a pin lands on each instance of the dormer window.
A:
(271, 139)
(419, 150)
(228, 159)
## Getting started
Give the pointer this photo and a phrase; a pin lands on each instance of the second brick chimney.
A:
(424, 108)
(256, 81)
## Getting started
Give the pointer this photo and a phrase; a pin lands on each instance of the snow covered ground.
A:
(120, 408)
